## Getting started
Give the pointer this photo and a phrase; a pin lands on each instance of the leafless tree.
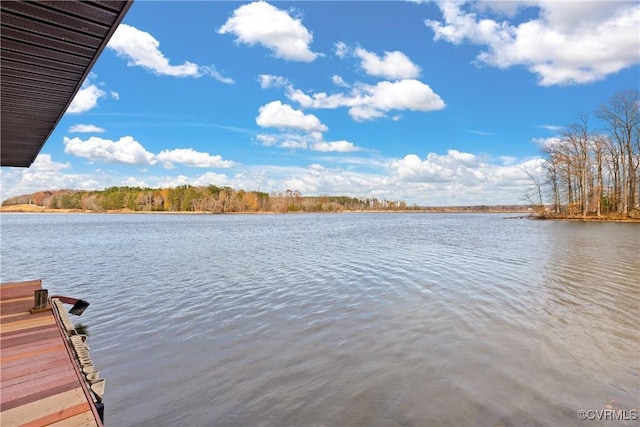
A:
(622, 116)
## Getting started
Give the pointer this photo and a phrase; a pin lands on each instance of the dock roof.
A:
(48, 49)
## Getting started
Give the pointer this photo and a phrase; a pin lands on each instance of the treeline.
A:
(595, 173)
(187, 198)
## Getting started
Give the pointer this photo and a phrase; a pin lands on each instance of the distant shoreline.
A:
(25, 208)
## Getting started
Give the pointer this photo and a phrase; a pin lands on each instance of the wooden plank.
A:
(34, 397)
(10, 336)
(36, 363)
(30, 323)
(18, 290)
(40, 386)
(15, 300)
(28, 350)
(33, 411)
(12, 316)
(60, 373)
(60, 416)
(21, 315)
(84, 419)
(19, 347)
(21, 285)
(15, 338)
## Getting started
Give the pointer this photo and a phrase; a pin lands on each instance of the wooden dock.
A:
(46, 377)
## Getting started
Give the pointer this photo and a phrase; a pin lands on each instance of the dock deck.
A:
(42, 378)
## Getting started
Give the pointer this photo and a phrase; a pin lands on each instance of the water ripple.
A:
(333, 320)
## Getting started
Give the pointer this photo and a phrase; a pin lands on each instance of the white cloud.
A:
(135, 182)
(568, 43)
(481, 132)
(129, 151)
(341, 49)
(143, 50)
(313, 141)
(405, 94)
(261, 23)
(80, 128)
(207, 178)
(43, 174)
(459, 168)
(211, 71)
(269, 80)
(267, 140)
(125, 150)
(552, 128)
(545, 143)
(279, 115)
(453, 178)
(367, 102)
(210, 178)
(190, 157)
(86, 98)
(334, 146)
(394, 65)
(339, 81)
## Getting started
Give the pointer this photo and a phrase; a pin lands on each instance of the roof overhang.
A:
(48, 49)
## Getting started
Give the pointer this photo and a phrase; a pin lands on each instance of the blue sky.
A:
(433, 103)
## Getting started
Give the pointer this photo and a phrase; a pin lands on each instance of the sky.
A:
(431, 103)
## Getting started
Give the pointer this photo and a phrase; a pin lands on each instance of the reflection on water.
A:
(346, 320)
(82, 329)
(592, 290)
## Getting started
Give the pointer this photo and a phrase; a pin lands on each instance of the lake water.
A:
(346, 319)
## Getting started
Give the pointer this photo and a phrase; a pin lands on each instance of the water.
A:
(346, 319)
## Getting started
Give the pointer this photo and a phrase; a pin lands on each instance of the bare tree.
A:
(534, 195)
(622, 116)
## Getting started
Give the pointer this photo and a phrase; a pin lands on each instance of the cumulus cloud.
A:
(335, 146)
(299, 131)
(318, 180)
(143, 50)
(81, 128)
(190, 157)
(367, 102)
(261, 23)
(279, 115)
(393, 65)
(135, 182)
(465, 170)
(86, 98)
(125, 150)
(452, 178)
(129, 151)
(497, 183)
(43, 174)
(207, 178)
(567, 43)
